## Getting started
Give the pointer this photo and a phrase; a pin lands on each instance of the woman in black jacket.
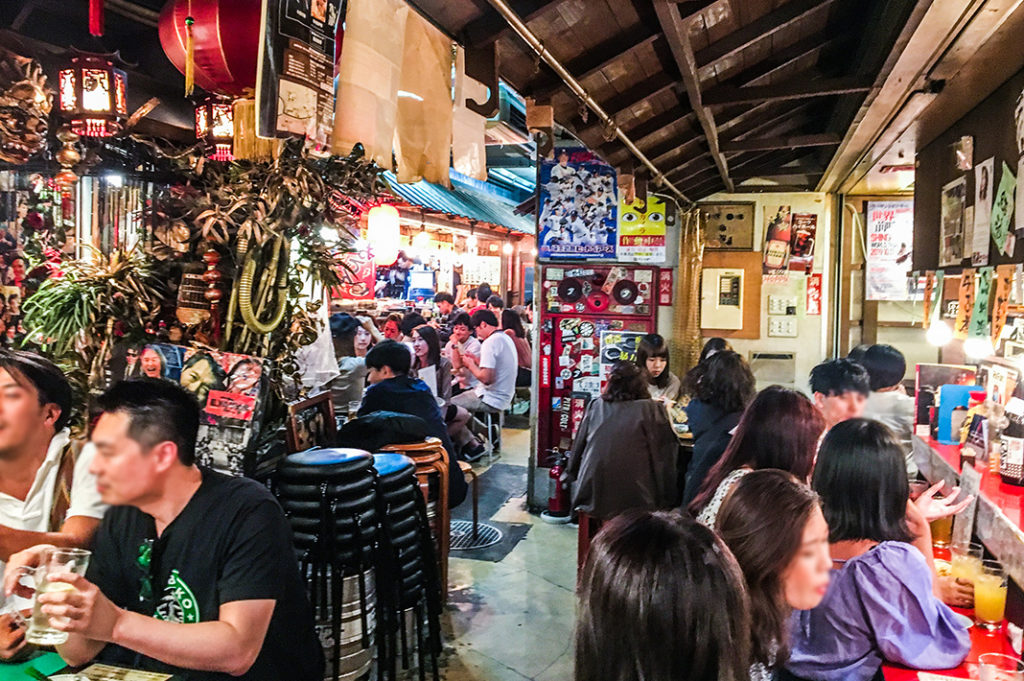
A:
(720, 389)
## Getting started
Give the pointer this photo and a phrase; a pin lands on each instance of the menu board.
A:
(890, 242)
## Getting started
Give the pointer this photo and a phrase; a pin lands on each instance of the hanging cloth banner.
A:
(1004, 280)
(295, 69)
(369, 71)
(979, 327)
(929, 292)
(937, 296)
(965, 304)
(423, 131)
(1002, 210)
(469, 144)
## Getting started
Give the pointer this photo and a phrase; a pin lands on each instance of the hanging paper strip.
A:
(929, 290)
(1004, 280)
(423, 131)
(368, 76)
(979, 326)
(937, 296)
(965, 304)
(1002, 211)
(469, 144)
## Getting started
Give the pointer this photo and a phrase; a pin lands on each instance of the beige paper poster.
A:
(369, 74)
(469, 146)
(423, 135)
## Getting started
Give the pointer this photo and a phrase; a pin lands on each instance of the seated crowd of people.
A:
(786, 547)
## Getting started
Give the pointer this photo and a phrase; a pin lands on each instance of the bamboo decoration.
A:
(686, 339)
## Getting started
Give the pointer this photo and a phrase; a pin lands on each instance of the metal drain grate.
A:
(462, 535)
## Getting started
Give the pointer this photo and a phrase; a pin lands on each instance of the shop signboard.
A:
(357, 274)
(578, 207)
(814, 294)
(642, 231)
(890, 240)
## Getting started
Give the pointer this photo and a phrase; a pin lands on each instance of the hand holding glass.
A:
(54, 561)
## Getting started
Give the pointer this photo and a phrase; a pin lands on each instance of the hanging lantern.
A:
(225, 41)
(215, 125)
(92, 95)
(383, 233)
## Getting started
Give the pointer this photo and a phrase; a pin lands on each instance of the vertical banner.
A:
(1004, 280)
(929, 289)
(890, 243)
(937, 297)
(951, 235)
(805, 228)
(778, 233)
(965, 304)
(978, 327)
(983, 182)
(642, 231)
(814, 294)
(295, 69)
(665, 287)
(1003, 210)
(578, 214)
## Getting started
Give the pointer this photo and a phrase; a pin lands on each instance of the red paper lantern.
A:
(225, 36)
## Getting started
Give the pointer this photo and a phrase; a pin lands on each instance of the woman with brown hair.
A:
(661, 599)
(783, 555)
(625, 452)
(780, 429)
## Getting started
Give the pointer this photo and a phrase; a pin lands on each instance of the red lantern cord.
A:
(96, 17)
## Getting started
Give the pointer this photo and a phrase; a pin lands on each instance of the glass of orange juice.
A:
(965, 562)
(990, 595)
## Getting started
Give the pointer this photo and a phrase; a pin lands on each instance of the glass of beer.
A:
(965, 563)
(990, 595)
(54, 561)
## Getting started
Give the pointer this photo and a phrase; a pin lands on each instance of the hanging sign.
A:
(358, 276)
(814, 294)
(965, 304)
(642, 230)
(295, 69)
(805, 228)
(578, 208)
(929, 289)
(890, 241)
(978, 327)
(1004, 280)
(665, 287)
(1002, 211)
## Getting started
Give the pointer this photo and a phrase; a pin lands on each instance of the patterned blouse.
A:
(709, 513)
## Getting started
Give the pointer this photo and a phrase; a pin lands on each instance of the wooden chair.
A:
(431, 460)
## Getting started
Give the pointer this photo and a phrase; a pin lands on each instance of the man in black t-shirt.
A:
(192, 572)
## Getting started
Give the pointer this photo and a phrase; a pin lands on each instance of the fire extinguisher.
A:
(559, 502)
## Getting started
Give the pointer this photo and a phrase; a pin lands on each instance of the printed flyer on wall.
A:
(890, 241)
(643, 230)
(578, 207)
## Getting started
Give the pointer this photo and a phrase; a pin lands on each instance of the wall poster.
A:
(805, 228)
(578, 207)
(890, 242)
(983, 181)
(778, 233)
(642, 230)
(951, 241)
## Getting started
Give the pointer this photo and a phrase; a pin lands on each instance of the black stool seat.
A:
(320, 464)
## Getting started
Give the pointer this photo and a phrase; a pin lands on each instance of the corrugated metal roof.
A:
(461, 201)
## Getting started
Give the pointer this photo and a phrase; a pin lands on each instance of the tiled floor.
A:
(512, 620)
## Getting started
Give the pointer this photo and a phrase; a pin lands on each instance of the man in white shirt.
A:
(496, 371)
(47, 495)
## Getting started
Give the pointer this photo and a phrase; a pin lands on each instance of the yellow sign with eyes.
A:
(642, 229)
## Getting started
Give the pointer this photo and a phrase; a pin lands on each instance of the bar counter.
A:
(997, 525)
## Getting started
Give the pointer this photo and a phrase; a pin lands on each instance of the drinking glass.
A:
(999, 667)
(54, 561)
(353, 409)
(917, 488)
(965, 563)
(990, 595)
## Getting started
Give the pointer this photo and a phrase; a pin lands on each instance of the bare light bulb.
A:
(939, 333)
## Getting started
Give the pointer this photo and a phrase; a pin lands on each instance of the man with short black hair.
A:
(192, 572)
(495, 304)
(393, 389)
(496, 371)
(888, 402)
(446, 314)
(840, 388)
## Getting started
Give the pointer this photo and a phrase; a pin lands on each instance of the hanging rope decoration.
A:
(96, 18)
(190, 54)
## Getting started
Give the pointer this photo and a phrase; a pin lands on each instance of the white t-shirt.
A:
(472, 346)
(498, 352)
(33, 514)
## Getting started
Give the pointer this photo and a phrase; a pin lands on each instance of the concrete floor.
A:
(513, 620)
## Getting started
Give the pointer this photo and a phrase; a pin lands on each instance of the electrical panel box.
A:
(782, 305)
(721, 300)
(782, 327)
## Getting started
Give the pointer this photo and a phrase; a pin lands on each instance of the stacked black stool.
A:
(407, 573)
(330, 498)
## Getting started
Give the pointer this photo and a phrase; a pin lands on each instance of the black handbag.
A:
(381, 428)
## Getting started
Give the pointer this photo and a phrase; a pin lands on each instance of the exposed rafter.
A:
(828, 139)
(801, 89)
(646, 89)
(595, 60)
(491, 25)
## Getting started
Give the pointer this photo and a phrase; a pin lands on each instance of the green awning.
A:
(462, 202)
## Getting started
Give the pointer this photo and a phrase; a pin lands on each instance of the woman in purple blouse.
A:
(880, 606)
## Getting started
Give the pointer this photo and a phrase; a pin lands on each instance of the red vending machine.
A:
(591, 316)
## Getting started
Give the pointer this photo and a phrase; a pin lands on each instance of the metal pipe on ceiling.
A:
(535, 44)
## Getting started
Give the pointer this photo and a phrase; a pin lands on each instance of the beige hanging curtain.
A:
(686, 340)
(369, 74)
(469, 145)
(423, 137)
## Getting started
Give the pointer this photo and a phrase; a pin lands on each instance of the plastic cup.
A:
(999, 667)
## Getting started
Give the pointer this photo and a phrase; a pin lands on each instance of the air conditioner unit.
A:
(509, 126)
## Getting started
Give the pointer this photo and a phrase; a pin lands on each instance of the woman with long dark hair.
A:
(653, 359)
(661, 599)
(426, 347)
(783, 555)
(780, 429)
(512, 325)
(720, 390)
(625, 451)
(880, 606)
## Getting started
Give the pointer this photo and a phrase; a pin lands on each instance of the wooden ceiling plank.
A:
(762, 28)
(596, 60)
(792, 142)
(676, 32)
(623, 102)
(802, 89)
(488, 28)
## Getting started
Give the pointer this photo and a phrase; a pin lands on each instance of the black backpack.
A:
(381, 428)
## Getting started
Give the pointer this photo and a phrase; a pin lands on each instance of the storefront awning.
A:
(463, 202)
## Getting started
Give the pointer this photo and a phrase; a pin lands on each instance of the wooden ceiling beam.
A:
(623, 102)
(595, 60)
(799, 169)
(487, 28)
(760, 29)
(644, 131)
(801, 89)
(677, 33)
(828, 139)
